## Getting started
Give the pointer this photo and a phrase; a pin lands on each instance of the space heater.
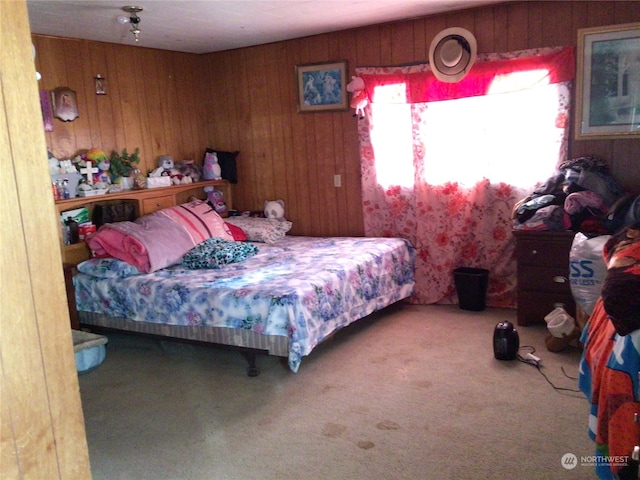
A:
(506, 341)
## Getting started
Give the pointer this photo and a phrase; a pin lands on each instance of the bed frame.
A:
(247, 342)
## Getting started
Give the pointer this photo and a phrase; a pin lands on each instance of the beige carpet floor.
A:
(412, 392)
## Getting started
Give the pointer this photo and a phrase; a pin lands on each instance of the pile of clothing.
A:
(582, 196)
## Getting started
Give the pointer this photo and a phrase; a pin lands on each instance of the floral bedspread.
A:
(304, 288)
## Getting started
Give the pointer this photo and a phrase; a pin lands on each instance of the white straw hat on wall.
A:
(452, 54)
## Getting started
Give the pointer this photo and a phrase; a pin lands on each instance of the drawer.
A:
(537, 252)
(545, 279)
(150, 205)
(534, 306)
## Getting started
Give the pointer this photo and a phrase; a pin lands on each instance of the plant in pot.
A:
(123, 166)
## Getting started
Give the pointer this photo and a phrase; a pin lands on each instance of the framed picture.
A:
(100, 84)
(322, 87)
(64, 104)
(608, 82)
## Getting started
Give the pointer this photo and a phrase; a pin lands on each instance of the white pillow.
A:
(265, 230)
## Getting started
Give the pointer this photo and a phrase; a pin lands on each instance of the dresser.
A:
(145, 201)
(543, 274)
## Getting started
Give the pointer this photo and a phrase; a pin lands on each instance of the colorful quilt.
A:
(304, 288)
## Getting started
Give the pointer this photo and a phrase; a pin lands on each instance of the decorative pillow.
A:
(227, 162)
(107, 268)
(200, 220)
(214, 253)
(237, 232)
(266, 230)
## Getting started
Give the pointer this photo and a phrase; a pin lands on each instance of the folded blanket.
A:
(150, 243)
(115, 242)
(160, 239)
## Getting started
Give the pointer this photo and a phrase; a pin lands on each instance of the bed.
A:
(610, 365)
(289, 295)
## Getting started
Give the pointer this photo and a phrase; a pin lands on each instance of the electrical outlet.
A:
(337, 180)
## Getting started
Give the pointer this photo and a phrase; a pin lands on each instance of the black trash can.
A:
(471, 285)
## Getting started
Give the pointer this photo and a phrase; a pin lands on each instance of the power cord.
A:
(530, 359)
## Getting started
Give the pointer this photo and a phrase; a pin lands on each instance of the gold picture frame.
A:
(322, 87)
(608, 82)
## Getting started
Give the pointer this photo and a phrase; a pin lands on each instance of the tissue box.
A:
(89, 349)
(80, 215)
(153, 182)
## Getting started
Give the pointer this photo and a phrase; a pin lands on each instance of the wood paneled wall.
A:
(245, 100)
(153, 99)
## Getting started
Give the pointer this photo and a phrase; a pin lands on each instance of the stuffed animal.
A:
(211, 169)
(189, 168)
(165, 165)
(274, 209)
(98, 158)
(103, 175)
(95, 155)
(178, 178)
(215, 199)
(359, 99)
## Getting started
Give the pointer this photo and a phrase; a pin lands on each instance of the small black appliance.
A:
(506, 341)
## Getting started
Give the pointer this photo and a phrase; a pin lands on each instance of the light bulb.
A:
(122, 19)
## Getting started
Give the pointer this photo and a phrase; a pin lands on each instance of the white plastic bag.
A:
(587, 269)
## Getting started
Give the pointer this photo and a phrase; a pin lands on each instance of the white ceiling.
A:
(203, 26)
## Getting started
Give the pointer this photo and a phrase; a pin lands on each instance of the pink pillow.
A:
(200, 220)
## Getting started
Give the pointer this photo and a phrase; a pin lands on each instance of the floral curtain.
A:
(433, 173)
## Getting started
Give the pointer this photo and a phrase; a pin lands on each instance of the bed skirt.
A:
(271, 344)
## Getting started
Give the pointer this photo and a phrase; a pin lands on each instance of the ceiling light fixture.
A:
(133, 19)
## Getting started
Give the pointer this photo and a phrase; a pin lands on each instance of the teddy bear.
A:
(274, 209)
(215, 199)
(165, 165)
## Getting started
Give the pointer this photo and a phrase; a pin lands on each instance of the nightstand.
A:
(543, 274)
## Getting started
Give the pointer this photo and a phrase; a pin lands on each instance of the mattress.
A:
(301, 289)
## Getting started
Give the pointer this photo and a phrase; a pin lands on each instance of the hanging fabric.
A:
(429, 164)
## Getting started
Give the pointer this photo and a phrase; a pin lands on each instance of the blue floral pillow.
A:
(216, 252)
(107, 268)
